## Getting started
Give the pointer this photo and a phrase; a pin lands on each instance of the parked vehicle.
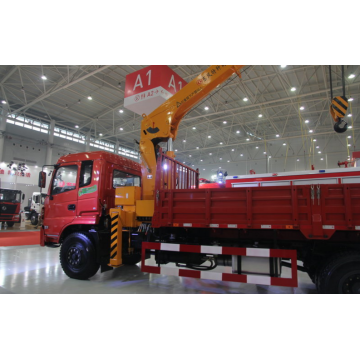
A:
(10, 201)
(33, 210)
(106, 211)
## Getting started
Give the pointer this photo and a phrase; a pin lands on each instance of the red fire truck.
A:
(108, 211)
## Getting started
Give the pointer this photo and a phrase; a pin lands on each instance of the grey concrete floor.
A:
(36, 270)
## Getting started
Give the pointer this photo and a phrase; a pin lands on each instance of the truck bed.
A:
(316, 210)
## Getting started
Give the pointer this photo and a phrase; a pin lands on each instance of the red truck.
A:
(10, 201)
(108, 211)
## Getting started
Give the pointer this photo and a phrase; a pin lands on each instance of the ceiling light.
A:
(221, 143)
(224, 122)
(121, 129)
(238, 131)
(283, 66)
(257, 147)
(350, 127)
(247, 139)
(302, 108)
(245, 99)
(76, 126)
(220, 158)
(228, 161)
(293, 89)
(241, 154)
(44, 77)
(189, 155)
(351, 99)
(297, 159)
(264, 152)
(307, 121)
(232, 149)
(201, 160)
(89, 98)
(260, 115)
(310, 131)
(350, 115)
(209, 136)
(184, 140)
(277, 135)
(3, 102)
(194, 128)
(121, 111)
(197, 147)
(284, 144)
(100, 134)
(319, 152)
(314, 140)
(349, 137)
(210, 154)
(318, 147)
(322, 159)
(349, 144)
(206, 108)
(351, 76)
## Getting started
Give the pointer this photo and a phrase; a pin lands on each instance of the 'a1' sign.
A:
(150, 87)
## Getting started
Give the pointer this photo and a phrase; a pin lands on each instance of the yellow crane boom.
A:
(162, 124)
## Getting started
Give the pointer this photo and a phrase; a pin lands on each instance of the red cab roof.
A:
(102, 155)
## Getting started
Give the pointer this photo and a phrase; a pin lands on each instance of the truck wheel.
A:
(78, 257)
(10, 223)
(34, 219)
(340, 275)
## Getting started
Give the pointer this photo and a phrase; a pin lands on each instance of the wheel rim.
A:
(350, 283)
(75, 258)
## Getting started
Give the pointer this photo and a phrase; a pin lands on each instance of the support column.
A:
(87, 142)
(50, 143)
(2, 130)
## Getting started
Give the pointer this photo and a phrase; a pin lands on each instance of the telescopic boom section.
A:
(162, 124)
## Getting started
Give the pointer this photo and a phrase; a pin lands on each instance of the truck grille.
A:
(7, 211)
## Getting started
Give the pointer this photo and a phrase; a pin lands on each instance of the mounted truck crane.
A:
(102, 215)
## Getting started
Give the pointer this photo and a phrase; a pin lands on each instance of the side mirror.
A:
(42, 179)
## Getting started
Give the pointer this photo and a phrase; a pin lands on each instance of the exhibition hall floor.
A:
(36, 270)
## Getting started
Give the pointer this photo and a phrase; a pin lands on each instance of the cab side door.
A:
(63, 199)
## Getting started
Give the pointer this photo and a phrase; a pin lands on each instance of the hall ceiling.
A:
(230, 122)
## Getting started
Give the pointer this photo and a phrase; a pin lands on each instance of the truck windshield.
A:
(124, 179)
(13, 196)
(64, 179)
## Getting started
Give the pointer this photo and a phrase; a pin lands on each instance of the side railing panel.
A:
(173, 175)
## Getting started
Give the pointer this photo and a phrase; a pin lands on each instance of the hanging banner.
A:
(148, 88)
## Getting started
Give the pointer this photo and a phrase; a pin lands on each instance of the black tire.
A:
(34, 218)
(340, 275)
(78, 257)
(10, 223)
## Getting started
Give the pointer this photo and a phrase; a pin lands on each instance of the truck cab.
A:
(33, 210)
(82, 190)
(10, 201)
